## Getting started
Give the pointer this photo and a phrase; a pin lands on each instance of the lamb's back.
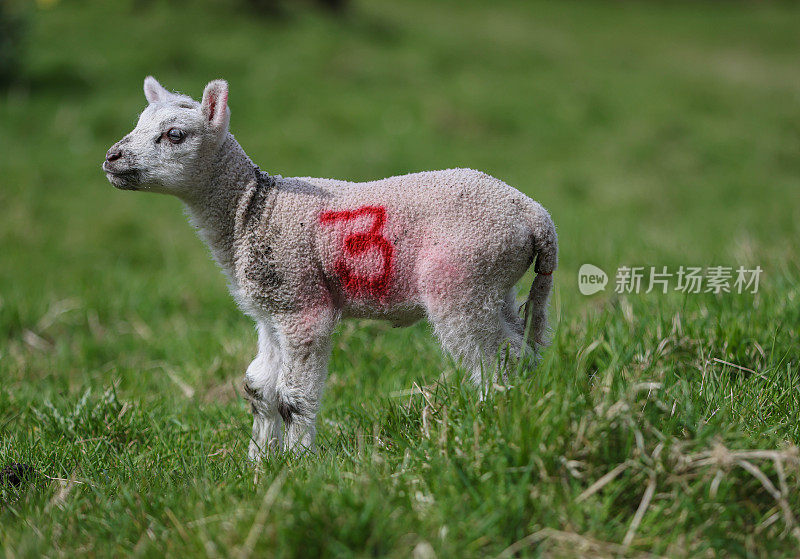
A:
(446, 198)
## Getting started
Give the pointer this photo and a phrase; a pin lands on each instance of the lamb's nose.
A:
(113, 154)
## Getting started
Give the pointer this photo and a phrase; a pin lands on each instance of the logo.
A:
(591, 279)
(716, 280)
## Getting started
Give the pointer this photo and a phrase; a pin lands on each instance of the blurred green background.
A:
(656, 133)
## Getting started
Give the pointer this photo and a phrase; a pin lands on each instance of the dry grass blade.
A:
(603, 481)
(177, 523)
(760, 476)
(147, 534)
(734, 365)
(723, 458)
(66, 488)
(36, 341)
(637, 518)
(579, 545)
(425, 395)
(405, 392)
(184, 386)
(788, 517)
(261, 515)
(739, 367)
(55, 311)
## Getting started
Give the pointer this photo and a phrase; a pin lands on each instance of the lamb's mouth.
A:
(124, 180)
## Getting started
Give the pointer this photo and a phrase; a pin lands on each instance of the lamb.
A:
(302, 253)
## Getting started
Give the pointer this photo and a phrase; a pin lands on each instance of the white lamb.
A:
(301, 253)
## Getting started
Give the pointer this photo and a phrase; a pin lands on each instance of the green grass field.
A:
(657, 134)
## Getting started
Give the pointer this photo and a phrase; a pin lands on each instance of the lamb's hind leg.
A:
(260, 388)
(511, 315)
(477, 333)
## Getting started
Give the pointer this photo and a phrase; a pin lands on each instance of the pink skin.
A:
(372, 273)
(440, 275)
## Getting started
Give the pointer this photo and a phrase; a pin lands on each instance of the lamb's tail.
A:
(545, 248)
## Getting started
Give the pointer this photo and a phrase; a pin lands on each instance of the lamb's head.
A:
(174, 143)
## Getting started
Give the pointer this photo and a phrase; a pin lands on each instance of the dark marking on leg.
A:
(250, 393)
(254, 397)
(287, 410)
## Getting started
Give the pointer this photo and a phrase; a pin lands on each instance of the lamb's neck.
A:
(213, 205)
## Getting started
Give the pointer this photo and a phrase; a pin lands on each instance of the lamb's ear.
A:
(215, 104)
(154, 91)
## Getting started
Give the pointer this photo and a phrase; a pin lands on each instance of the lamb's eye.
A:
(176, 135)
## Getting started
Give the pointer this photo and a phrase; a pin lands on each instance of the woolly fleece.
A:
(301, 253)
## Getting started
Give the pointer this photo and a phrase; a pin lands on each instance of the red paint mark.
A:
(355, 244)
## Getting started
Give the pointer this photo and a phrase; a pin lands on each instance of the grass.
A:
(657, 135)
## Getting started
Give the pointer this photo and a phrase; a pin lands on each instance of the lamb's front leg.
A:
(305, 339)
(260, 389)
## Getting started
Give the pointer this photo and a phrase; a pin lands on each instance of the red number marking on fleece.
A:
(376, 286)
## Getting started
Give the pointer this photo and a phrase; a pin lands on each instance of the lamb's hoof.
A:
(257, 453)
(301, 449)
